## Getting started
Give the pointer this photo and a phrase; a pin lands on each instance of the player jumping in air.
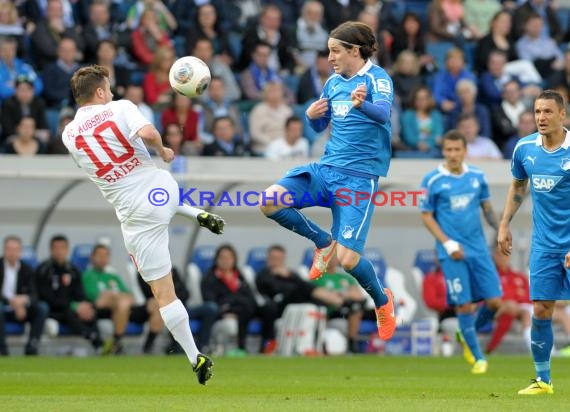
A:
(544, 159)
(105, 140)
(452, 196)
(357, 101)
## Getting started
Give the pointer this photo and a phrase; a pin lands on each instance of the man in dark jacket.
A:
(59, 284)
(18, 299)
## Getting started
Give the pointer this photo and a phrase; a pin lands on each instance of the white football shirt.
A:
(103, 141)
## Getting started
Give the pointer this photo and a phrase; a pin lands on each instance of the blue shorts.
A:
(549, 279)
(320, 185)
(471, 279)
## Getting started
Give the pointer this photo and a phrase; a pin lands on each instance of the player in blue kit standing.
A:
(451, 197)
(544, 159)
(356, 101)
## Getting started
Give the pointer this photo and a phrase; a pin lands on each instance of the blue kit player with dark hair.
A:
(544, 159)
(356, 101)
(452, 197)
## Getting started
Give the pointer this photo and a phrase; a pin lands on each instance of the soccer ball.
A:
(189, 76)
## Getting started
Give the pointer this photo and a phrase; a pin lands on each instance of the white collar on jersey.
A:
(564, 145)
(365, 68)
(444, 171)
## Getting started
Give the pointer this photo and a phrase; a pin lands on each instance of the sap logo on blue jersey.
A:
(341, 108)
(460, 202)
(544, 183)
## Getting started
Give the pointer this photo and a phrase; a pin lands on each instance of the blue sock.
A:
(365, 274)
(467, 327)
(297, 222)
(541, 345)
(484, 315)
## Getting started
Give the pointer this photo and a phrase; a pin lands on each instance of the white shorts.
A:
(145, 232)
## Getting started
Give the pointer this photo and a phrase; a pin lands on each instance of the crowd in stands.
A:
(448, 59)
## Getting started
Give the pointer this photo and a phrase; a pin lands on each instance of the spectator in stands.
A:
(551, 26)
(498, 38)
(49, 33)
(148, 37)
(24, 142)
(24, 103)
(10, 23)
(565, 92)
(479, 14)
(258, 73)
(527, 126)
(135, 93)
(203, 49)
(310, 34)
(164, 18)
(337, 12)
(225, 285)
(226, 142)
(409, 36)
(108, 293)
(542, 50)
(284, 287)
(57, 76)
(98, 29)
(12, 68)
(181, 113)
(268, 29)
(157, 91)
(174, 139)
(206, 313)
(313, 79)
(406, 77)
(336, 280)
(207, 26)
(478, 147)
(446, 22)
(18, 297)
(445, 80)
(466, 91)
(505, 118)
(119, 76)
(422, 124)
(216, 104)
(56, 146)
(384, 39)
(292, 145)
(267, 118)
(492, 81)
(516, 302)
(561, 76)
(59, 284)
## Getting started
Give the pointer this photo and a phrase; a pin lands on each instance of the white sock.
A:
(176, 320)
(188, 211)
(526, 335)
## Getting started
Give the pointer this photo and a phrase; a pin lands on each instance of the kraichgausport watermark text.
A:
(340, 197)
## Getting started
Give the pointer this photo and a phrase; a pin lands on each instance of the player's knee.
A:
(543, 310)
(267, 204)
(348, 259)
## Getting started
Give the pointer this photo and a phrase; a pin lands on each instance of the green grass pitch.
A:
(358, 383)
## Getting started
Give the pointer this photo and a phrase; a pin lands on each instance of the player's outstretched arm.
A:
(489, 214)
(515, 197)
(452, 247)
(151, 136)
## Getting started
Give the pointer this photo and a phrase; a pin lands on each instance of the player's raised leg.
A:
(276, 203)
(176, 319)
(362, 270)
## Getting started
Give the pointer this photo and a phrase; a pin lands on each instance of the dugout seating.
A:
(80, 255)
(29, 256)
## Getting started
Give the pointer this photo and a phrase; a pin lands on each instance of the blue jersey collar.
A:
(365, 68)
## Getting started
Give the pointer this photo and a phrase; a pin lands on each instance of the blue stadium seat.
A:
(195, 325)
(203, 257)
(439, 51)
(29, 256)
(425, 260)
(14, 328)
(256, 258)
(308, 257)
(377, 259)
(254, 327)
(367, 327)
(81, 254)
(134, 328)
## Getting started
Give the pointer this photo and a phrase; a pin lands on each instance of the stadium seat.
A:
(29, 256)
(80, 255)
(134, 329)
(193, 284)
(425, 260)
(203, 258)
(306, 263)
(14, 328)
(256, 258)
(439, 51)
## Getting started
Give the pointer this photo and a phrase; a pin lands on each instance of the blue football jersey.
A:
(549, 176)
(357, 142)
(455, 202)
